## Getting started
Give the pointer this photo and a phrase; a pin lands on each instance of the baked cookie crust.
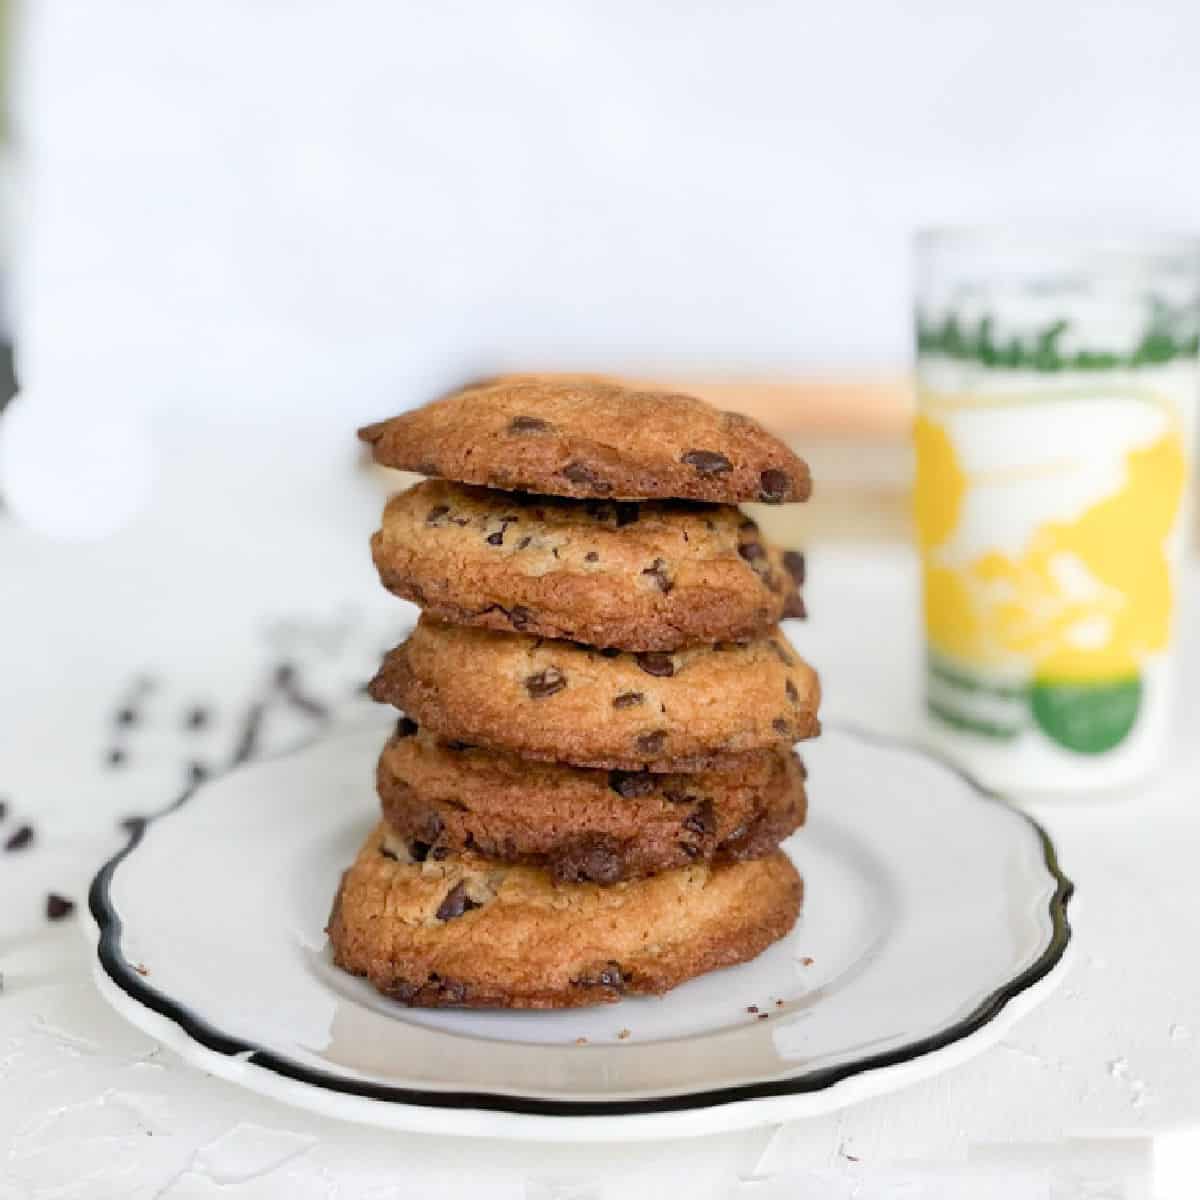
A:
(468, 932)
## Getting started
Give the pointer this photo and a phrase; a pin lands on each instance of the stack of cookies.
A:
(586, 793)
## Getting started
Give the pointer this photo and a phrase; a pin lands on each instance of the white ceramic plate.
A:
(934, 916)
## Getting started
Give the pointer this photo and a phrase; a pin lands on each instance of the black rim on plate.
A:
(127, 977)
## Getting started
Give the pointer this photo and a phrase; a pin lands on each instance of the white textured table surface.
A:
(205, 596)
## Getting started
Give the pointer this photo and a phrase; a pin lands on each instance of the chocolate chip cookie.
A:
(466, 931)
(696, 709)
(591, 438)
(652, 576)
(582, 825)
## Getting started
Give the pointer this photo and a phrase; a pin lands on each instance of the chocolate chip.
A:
(628, 700)
(651, 743)
(449, 991)
(456, 903)
(627, 513)
(658, 572)
(437, 992)
(701, 820)
(591, 556)
(794, 561)
(420, 852)
(529, 425)
(524, 542)
(58, 906)
(519, 616)
(495, 539)
(196, 718)
(794, 606)
(792, 694)
(631, 784)
(455, 744)
(440, 852)
(781, 725)
(589, 859)
(607, 651)
(776, 486)
(656, 662)
(781, 654)
(386, 853)
(115, 757)
(435, 514)
(406, 727)
(752, 551)
(609, 976)
(19, 839)
(707, 462)
(545, 683)
(577, 472)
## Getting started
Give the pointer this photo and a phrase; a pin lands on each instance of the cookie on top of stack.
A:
(586, 793)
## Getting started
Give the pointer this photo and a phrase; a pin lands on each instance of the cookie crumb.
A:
(752, 1008)
(581, 1041)
(623, 1034)
(141, 968)
(806, 961)
(58, 907)
(763, 1016)
(778, 1003)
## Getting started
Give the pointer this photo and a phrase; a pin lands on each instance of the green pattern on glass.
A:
(1089, 718)
(1171, 333)
(957, 719)
(960, 679)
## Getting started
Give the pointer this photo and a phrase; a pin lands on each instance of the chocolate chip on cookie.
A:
(545, 943)
(652, 576)
(555, 701)
(590, 437)
(545, 683)
(581, 824)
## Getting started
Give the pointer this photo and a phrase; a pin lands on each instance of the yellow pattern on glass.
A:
(1086, 601)
(941, 484)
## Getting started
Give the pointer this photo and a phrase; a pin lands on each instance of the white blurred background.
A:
(286, 218)
(320, 208)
